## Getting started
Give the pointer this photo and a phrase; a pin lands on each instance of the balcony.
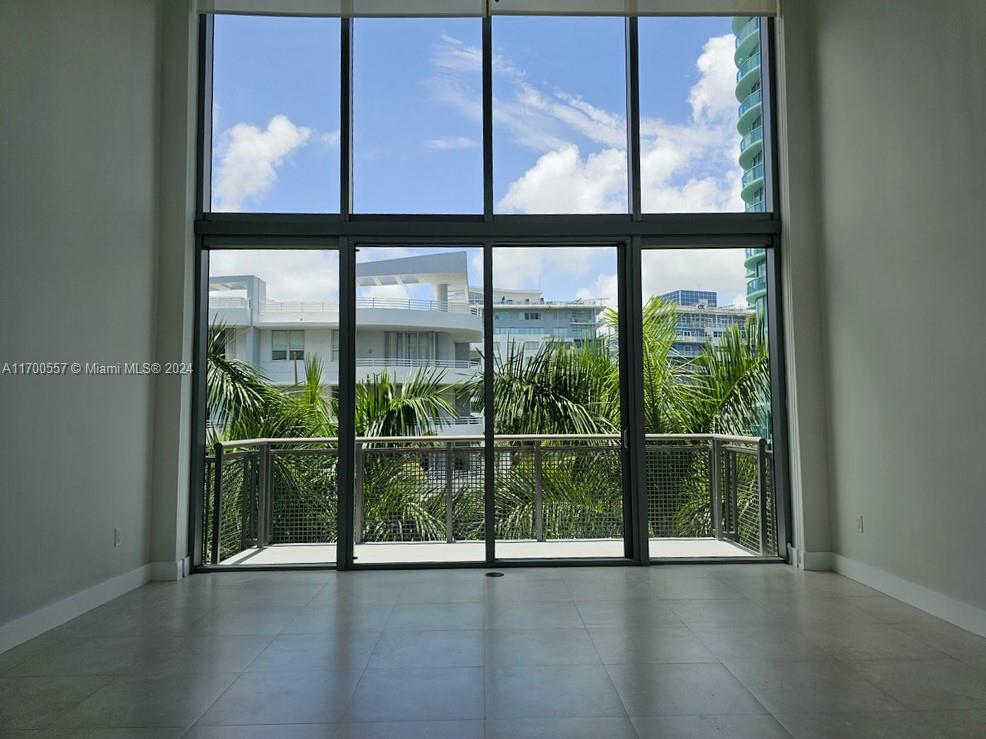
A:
(752, 179)
(747, 75)
(749, 111)
(756, 286)
(750, 145)
(421, 499)
(747, 39)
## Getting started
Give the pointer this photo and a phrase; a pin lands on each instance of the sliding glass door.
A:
(557, 403)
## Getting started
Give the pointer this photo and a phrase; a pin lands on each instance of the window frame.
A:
(631, 232)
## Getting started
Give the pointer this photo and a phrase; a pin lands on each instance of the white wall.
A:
(902, 170)
(78, 208)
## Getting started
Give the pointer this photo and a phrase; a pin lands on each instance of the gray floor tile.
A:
(536, 615)
(18, 655)
(449, 693)
(893, 725)
(276, 731)
(559, 691)
(33, 702)
(412, 730)
(811, 687)
(167, 700)
(650, 689)
(442, 616)
(722, 612)
(561, 728)
(621, 645)
(255, 620)
(947, 638)
(472, 591)
(852, 642)
(129, 733)
(302, 697)
(526, 589)
(928, 684)
(429, 648)
(333, 617)
(741, 726)
(627, 614)
(957, 724)
(759, 643)
(516, 647)
(331, 652)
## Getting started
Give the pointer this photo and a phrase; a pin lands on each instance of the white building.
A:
(397, 335)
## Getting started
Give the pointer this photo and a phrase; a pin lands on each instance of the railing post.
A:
(217, 503)
(449, 472)
(357, 494)
(262, 494)
(715, 468)
(538, 492)
(762, 493)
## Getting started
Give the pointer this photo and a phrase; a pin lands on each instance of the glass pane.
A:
(277, 501)
(275, 114)
(419, 493)
(559, 115)
(706, 369)
(417, 115)
(701, 138)
(559, 485)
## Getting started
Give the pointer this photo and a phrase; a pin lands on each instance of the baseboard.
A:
(814, 561)
(170, 571)
(954, 611)
(55, 614)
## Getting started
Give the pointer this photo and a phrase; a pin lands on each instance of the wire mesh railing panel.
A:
(679, 491)
(744, 495)
(238, 506)
(771, 501)
(407, 494)
(559, 492)
(304, 496)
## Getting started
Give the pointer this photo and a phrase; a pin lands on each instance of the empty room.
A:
(443, 369)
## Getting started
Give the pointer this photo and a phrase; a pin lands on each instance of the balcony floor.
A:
(475, 551)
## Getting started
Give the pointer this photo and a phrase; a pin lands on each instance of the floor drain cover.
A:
(494, 574)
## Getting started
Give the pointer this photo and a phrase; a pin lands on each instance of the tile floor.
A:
(676, 651)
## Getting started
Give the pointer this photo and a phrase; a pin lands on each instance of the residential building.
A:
(751, 158)
(701, 321)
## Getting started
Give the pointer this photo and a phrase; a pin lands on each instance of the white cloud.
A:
(452, 142)
(522, 267)
(563, 181)
(249, 159)
(712, 97)
(719, 270)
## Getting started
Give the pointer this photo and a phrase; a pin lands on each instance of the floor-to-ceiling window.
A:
(487, 290)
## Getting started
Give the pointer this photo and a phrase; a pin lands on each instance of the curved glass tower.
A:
(750, 127)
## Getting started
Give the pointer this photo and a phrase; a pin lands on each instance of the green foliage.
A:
(559, 389)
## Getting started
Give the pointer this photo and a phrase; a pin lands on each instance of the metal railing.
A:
(748, 29)
(751, 138)
(752, 175)
(261, 492)
(748, 66)
(751, 100)
(756, 285)
(314, 306)
(414, 363)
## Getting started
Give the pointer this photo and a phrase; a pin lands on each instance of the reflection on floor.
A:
(475, 551)
(752, 651)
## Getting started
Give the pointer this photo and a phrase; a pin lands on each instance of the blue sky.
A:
(559, 132)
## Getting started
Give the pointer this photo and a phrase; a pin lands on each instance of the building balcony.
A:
(749, 112)
(747, 40)
(753, 258)
(747, 75)
(750, 145)
(752, 179)
(268, 501)
(756, 287)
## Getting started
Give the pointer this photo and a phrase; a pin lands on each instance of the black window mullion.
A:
(346, 118)
(632, 49)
